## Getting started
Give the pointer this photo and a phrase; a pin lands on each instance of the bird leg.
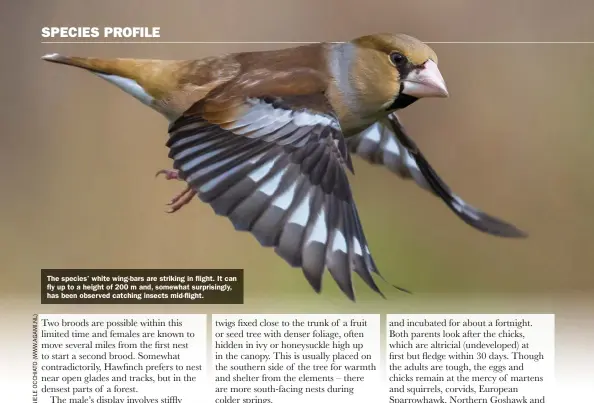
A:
(182, 198)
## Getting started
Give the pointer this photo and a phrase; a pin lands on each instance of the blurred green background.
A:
(78, 156)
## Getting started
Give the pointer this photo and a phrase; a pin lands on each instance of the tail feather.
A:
(127, 68)
(156, 78)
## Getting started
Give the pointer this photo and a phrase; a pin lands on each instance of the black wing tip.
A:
(368, 279)
(404, 290)
(512, 233)
(266, 241)
(381, 294)
(395, 286)
(316, 285)
(376, 289)
(350, 294)
(496, 227)
(240, 226)
(314, 280)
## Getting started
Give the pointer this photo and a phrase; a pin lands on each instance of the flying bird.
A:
(266, 139)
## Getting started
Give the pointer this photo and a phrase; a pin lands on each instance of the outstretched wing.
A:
(387, 143)
(276, 167)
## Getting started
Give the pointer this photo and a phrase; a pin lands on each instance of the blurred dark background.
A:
(78, 156)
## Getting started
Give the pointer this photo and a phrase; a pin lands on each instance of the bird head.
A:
(397, 69)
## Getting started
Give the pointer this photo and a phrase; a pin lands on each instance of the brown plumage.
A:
(266, 139)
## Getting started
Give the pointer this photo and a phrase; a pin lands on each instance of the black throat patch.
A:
(403, 100)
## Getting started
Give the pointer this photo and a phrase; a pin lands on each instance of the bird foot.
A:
(169, 174)
(182, 198)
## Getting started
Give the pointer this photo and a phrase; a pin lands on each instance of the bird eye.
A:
(397, 58)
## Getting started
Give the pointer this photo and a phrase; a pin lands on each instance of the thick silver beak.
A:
(425, 82)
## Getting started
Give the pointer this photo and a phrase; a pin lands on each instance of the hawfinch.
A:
(266, 139)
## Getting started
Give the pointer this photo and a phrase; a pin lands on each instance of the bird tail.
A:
(134, 69)
(146, 80)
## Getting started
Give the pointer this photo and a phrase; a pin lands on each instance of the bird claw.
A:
(182, 198)
(169, 174)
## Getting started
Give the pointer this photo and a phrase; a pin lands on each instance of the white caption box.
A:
(296, 358)
(459, 358)
(121, 358)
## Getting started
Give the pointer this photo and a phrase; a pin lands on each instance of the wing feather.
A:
(386, 143)
(279, 172)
